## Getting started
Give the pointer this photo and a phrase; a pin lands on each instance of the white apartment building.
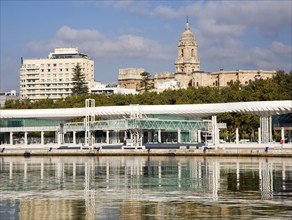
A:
(52, 77)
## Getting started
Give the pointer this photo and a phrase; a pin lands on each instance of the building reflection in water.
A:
(117, 187)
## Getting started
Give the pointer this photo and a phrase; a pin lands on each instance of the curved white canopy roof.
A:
(263, 108)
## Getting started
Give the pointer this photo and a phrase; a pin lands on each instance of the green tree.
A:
(79, 82)
(146, 83)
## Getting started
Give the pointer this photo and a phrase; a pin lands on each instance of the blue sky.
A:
(122, 34)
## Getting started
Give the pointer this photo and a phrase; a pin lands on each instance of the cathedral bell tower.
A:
(187, 59)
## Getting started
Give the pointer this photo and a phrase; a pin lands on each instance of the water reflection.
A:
(144, 187)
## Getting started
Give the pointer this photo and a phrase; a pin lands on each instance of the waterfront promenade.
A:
(251, 149)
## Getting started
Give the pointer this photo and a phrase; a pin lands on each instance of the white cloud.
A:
(211, 27)
(131, 6)
(267, 17)
(98, 45)
(165, 11)
(67, 33)
(281, 48)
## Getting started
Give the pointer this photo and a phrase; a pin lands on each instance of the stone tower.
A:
(187, 59)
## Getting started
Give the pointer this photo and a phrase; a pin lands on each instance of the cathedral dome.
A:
(187, 35)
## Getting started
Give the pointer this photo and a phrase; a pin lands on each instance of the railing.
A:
(120, 124)
(124, 124)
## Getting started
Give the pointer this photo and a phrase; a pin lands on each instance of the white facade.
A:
(4, 96)
(161, 86)
(99, 88)
(52, 77)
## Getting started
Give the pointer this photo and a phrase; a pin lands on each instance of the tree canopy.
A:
(146, 83)
(79, 81)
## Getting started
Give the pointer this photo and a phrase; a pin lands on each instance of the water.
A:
(145, 188)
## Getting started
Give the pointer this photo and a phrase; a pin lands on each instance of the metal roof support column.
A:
(125, 135)
(259, 136)
(74, 137)
(11, 138)
(215, 135)
(264, 128)
(236, 136)
(283, 133)
(61, 133)
(89, 122)
(199, 136)
(178, 136)
(159, 136)
(270, 130)
(107, 136)
(25, 138)
(42, 138)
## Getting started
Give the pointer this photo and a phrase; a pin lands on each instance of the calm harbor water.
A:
(145, 188)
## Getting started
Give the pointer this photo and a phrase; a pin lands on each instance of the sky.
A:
(248, 35)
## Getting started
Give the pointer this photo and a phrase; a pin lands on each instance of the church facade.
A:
(188, 71)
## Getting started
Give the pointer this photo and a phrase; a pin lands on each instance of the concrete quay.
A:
(232, 151)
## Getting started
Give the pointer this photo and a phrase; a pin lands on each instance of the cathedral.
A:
(188, 71)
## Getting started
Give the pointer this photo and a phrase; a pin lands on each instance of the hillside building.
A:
(188, 71)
